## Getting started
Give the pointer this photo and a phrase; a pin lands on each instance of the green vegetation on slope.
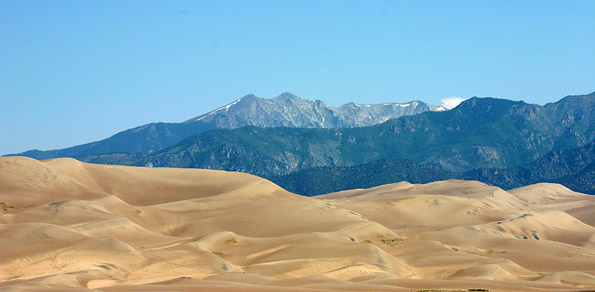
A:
(480, 133)
(574, 168)
(322, 180)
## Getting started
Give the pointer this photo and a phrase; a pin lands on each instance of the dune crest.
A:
(65, 224)
(549, 196)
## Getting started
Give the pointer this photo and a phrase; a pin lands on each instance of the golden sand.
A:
(68, 225)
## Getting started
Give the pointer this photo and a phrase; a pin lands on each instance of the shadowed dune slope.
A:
(67, 225)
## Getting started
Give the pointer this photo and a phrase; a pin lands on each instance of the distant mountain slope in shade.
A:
(323, 180)
(573, 168)
(149, 138)
(479, 133)
(286, 110)
(583, 181)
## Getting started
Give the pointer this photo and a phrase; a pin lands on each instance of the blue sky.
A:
(73, 72)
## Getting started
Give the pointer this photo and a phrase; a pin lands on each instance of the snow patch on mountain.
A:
(288, 110)
(217, 110)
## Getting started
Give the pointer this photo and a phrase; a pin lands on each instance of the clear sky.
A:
(73, 72)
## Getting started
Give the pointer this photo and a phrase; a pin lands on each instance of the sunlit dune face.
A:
(67, 224)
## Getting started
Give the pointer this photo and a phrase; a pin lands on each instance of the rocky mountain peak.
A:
(287, 95)
(289, 110)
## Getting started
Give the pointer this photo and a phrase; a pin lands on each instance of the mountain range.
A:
(479, 133)
(285, 110)
(296, 143)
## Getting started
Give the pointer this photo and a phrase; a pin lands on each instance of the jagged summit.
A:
(248, 97)
(289, 110)
(287, 95)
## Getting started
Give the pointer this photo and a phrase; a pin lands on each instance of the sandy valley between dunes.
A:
(72, 226)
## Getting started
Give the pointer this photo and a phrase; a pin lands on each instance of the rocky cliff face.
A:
(288, 110)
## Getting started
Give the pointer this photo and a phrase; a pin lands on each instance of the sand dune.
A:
(67, 225)
(547, 196)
